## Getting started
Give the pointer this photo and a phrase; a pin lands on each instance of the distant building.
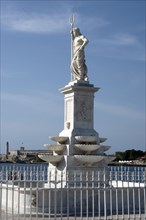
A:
(22, 155)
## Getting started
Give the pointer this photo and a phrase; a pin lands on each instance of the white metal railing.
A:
(32, 194)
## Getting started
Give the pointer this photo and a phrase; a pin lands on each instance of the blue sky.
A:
(35, 64)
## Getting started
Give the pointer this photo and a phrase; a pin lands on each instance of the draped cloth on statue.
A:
(78, 66)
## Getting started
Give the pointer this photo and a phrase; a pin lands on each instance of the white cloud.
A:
(121, 46)
(18, 20)
(121, 111)
(35, 23)
(92, 22)
(120, 39)
(40, 103)
(30, 118)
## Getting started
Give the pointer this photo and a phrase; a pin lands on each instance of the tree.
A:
(129, 155)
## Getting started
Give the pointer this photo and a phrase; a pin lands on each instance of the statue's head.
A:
(76, 31)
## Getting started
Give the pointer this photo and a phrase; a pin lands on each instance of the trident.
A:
(72, 21)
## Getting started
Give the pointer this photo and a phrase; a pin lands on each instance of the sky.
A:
(35, 64)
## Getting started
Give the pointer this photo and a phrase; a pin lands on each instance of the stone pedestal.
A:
(79, 109)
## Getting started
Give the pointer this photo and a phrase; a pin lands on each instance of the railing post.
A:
(81, 194)
(105, 198)
(93, 193)
(75, 192)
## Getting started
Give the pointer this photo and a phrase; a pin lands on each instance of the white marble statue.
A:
(78, 66)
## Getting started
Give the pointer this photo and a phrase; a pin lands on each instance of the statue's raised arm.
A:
(78, 66)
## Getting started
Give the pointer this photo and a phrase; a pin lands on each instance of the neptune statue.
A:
(78, 66)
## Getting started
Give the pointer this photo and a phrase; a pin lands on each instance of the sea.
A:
(121, 172)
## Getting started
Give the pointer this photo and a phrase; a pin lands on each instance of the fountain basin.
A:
(101, 139)
(87, 148)
(55, 147)
(89, 159)
(104, 147)
(51, 158)
(88, 139)
(108, 159)
(59, 139)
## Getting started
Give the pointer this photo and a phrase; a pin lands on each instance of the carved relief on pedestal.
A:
(84, 108)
